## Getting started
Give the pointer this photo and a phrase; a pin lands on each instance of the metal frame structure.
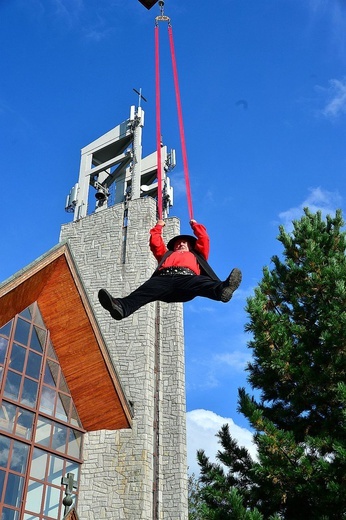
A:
(116, 157)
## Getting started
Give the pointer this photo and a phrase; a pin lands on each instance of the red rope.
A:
(181, 125)
(158, 124)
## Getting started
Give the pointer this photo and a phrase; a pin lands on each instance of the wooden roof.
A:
(53, 282)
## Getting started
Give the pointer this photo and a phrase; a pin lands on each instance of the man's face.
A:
(181, 245)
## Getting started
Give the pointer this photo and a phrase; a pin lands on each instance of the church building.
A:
(92, 416)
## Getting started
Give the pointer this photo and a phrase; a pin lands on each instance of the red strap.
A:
(158, 124)
(181, 125)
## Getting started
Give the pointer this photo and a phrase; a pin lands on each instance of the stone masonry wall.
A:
(140, 473)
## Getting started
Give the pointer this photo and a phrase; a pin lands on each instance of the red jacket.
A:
(180, 258)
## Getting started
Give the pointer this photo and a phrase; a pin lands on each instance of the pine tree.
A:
(195, 504)
(298, 326)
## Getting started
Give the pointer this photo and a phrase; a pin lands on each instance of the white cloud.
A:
(4, 453)
(318, 200)
(93, 24)
(179, 182)
(237, 359)
(336, 98)
(202, 427)
(58, 7)
(98, 35)
(208, 369)
(332, 13)
(195, 307)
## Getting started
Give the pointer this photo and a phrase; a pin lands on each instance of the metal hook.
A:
(161, 5)
(162, 17)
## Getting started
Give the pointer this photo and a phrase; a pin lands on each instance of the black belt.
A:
(175, 270)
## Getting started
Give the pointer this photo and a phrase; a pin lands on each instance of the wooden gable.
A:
(53, 282)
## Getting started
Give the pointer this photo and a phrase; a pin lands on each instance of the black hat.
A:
(189, 238)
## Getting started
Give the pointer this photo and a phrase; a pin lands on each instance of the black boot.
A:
(230, 285)
(111, 305)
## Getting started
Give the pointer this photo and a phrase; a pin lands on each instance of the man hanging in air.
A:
(182, 274)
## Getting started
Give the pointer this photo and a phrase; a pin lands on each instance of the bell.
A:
(100, 195)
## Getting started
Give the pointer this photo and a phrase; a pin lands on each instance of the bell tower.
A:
(115, 160)
(138, 473)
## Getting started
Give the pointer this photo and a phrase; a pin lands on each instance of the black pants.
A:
(171, 288)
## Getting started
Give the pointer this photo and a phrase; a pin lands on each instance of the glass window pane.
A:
(72, 467)
(44, 493)
(51, 351)
(74, 444)
(63, 385)
(55, 470)
(22, 331)
(4, 450)
(38, 338)
(6, 329)
(62, 407)
(32, 310)
(34, 365)
(22, 426)
(29, 393)
(12, 385)
(48, 378)
(43, 432)
(74, 420)
(9, 514)
(19, 457)
(38, 318)
(47, 400)
(7, 415)
(52, 373)
(17, 357)
(24, 423)
(34, 497)
(3, 349)
(2, 480)
(38, 464)
(51, 506)
(14, 489)
(59, 438)
(26, 313)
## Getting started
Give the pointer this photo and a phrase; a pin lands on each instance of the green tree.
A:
(298, 326)
(196, 505)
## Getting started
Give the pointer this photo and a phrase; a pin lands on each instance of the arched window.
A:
(40, 432)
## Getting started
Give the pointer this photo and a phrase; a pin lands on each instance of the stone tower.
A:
(141, 473)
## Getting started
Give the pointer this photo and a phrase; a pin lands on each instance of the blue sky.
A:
(263, 88)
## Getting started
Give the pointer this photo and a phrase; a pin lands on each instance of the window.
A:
(40, 432)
